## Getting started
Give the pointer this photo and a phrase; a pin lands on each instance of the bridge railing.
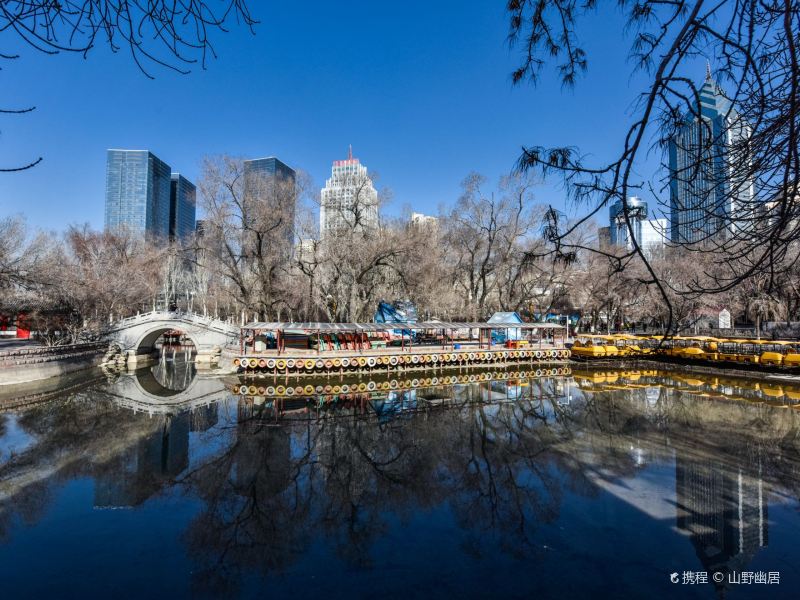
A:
(177, 315)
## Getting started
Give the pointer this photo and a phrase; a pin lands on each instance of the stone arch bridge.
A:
(135, 337)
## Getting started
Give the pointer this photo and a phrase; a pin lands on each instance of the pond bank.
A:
(29, 364)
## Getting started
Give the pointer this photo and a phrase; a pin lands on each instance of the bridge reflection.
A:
(174, 370)
(168, 387)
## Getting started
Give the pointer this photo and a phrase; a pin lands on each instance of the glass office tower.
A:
(270, 180)
(708, 186)
(137, 193)
(637, 214)
(182, 207)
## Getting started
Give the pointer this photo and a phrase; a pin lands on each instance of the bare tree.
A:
(105, 274)
(25, 258)
(748, 157)
(249, 234)
(484, 232)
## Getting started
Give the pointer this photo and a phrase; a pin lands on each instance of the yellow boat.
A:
(772, 391)
(594, 346)
(628, 345)
(750, 352)
(586, 346)
(791, 357)
(700, 347)
(779, 353)
(729, 350)
(772, 352)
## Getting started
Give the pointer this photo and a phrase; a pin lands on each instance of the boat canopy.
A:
(419, 325)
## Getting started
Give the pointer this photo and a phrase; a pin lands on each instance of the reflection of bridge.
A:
(135, 337)
(141, 392)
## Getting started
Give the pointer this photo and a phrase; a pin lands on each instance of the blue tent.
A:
(400, 311)
(499, 336)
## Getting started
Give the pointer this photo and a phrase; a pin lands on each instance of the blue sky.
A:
(420, 89)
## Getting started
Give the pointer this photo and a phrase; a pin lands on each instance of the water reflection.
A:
(475, 477)
(174, 370)
(142, 469)
(725, 513)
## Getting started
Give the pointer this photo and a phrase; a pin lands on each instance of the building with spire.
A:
(349, 201)
(649, 233)
(708, 186)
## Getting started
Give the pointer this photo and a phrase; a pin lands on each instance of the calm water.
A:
(165, 484)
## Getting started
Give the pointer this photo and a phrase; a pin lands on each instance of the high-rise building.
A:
(305, 250)
(182, 207)
(654, 232)
(349, 201)
(423, 221)
(137, 193)
(273, 181)
(648, 233)
(637, 214)
(603, 238)
(708, 186)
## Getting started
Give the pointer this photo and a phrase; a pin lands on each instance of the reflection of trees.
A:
(502, 468)
(255, 503)
(348, 475)
(84, 436)
(501, 457)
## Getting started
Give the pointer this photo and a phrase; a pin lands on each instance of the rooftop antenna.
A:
(708, 70)
(350, 151)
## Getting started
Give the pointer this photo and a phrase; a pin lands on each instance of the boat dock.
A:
(338, 348)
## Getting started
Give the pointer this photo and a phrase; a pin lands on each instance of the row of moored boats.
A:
(764, 352)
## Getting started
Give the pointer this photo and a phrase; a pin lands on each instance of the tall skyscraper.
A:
(648, 233)
(273, 181)
(349, 201)
(137, 193)
(182, 207)
(708, 188)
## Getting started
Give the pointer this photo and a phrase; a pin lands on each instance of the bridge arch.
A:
(147, 341)
(136, 336)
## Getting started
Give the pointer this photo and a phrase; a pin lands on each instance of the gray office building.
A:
(273, 181)
(137, 193)
(182, 207)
